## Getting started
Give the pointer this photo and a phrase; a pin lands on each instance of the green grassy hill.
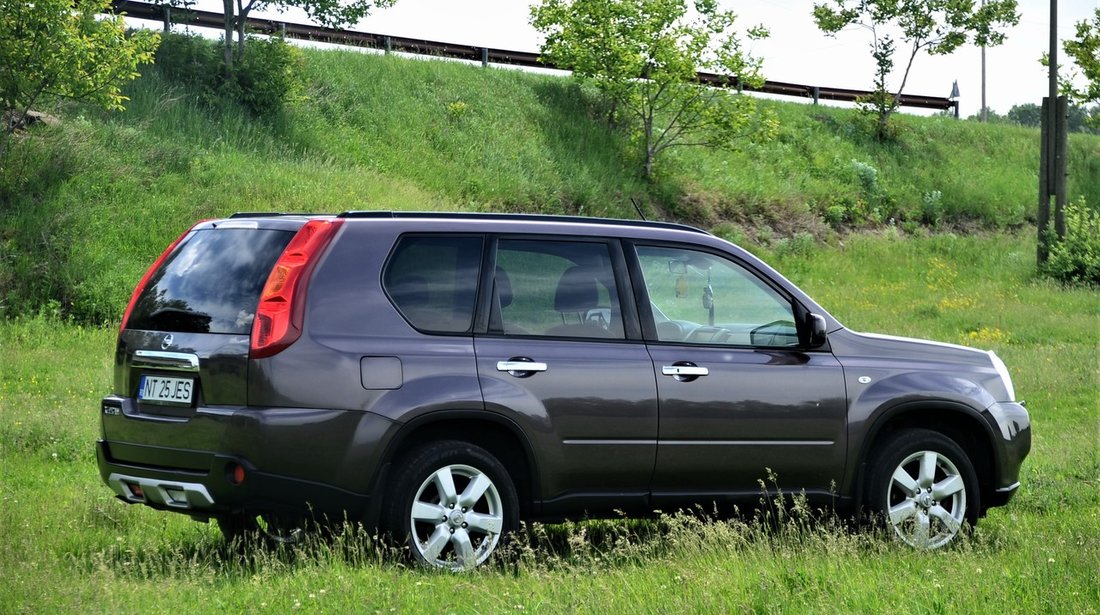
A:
(85, 206)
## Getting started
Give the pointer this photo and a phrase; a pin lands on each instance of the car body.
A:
(442, 376)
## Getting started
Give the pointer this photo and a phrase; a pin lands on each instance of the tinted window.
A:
(555, 288)
(433, 281)
(699, 298)
(211, 284)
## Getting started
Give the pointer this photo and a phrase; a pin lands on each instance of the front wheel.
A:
(452, 503)
(923, 486)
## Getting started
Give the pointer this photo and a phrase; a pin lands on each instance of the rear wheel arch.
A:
(497, 434)
(959, 422)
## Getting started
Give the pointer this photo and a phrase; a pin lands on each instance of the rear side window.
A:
(211, 284)
(433, 281)
(555, 289)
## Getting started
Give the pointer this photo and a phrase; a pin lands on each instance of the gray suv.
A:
(443, 376)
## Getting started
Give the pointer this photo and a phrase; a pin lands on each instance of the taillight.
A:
(278, 322)
(149, 273)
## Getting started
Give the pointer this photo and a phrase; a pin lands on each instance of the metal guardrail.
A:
(485, 55)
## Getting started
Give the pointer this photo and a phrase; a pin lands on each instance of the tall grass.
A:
(69, 545)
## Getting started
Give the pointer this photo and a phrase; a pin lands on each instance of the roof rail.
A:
(518, 218)
(266, 214)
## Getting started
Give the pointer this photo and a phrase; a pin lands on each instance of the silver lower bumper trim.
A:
(166, 493)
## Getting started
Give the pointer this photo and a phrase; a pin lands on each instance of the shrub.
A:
(269, 75)
(264, 80)
(1075, 259)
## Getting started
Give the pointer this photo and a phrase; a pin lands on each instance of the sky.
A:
(796, 51)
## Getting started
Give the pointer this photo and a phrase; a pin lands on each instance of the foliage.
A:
(1084, 49)
(1075, 258)
(332, 13)
(643, 55)
(61, 49)
(938, 27)
(265, 80)
(1080, 119)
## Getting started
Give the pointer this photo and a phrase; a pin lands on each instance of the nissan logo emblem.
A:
(167, 343)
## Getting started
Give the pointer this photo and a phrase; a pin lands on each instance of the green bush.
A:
(269, 75)
(1075, 259)
(265, 79)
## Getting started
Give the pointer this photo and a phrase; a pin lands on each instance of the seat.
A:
(578, 293)
(502, 298)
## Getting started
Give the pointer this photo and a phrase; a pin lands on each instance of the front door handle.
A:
(684, 371)
(521, 367)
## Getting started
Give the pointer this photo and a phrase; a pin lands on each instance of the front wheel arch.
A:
(956, 421)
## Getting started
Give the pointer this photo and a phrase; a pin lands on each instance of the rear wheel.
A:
(923, 487)
(452, 504)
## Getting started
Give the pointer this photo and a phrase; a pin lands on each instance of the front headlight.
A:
(1002, 371)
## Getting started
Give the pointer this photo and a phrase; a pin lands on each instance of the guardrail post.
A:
(167, 19)
(388, 43)
(816, 93)
(484, 57)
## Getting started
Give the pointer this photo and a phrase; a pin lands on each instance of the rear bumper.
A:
(211, 491)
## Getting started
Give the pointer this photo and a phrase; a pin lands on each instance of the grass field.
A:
(68, 545)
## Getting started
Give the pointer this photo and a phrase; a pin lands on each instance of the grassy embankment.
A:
(69, 545)
(86, 206)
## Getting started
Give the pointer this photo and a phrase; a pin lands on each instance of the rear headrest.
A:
(504, 288)
(577, 291)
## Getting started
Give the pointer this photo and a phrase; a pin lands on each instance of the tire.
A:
(451, 505)
(923, 487)
(272, 530)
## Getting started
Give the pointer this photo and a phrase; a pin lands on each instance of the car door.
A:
(563, 353)
(740, 400)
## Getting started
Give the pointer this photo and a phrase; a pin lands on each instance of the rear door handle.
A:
(521, 367)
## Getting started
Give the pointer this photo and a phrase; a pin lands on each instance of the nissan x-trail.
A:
(441, 377)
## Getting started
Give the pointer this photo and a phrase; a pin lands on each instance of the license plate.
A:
(165, 390)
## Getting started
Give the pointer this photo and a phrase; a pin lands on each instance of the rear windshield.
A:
(211, 284)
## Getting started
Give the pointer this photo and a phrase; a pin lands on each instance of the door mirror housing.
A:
(816, 334)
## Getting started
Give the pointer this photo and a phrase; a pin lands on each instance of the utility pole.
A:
(985, 115)
(1052, 151)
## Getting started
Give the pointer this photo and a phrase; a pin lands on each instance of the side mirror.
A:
(816, 327)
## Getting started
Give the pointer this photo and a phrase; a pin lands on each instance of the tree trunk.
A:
(242, 13)
(884, 125)
(227, 43)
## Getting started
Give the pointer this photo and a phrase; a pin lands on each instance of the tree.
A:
(331, 13)
(1084, 49)
(938, 27)
(643, 57)
(52, 49)
(1027, 114)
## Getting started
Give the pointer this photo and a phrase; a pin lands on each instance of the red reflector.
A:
(278, 322)
(136, 490)
(236, 476)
